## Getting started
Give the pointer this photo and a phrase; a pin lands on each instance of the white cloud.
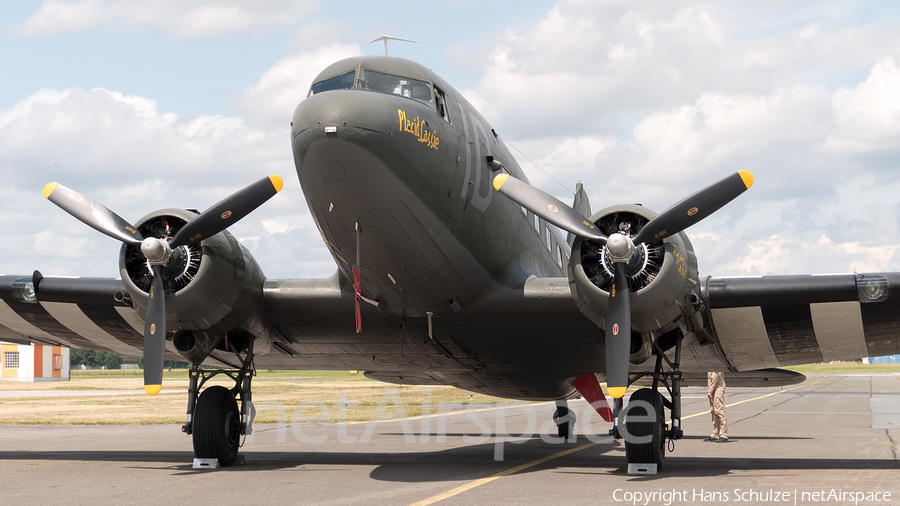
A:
(108, 137)
(782, 255)
(121, 151)
(597, 66)
(273, 98)
(178, 18)
(868, 116)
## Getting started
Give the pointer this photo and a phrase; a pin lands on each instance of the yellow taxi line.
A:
(755, 398)
(440, 414)
(479, 482)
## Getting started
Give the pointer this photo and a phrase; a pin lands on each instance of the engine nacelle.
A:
(212, 288)
(662, 276)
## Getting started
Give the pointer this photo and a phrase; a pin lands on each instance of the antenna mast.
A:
(386, 38)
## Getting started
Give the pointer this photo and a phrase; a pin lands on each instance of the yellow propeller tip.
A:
(152, 389)
(747, 177)
(49, 189)
(277, 182)
(499, 180)
(616, 392)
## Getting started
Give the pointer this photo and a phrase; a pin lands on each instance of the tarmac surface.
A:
(831, 440)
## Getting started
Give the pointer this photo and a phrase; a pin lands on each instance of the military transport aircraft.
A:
(455, 273)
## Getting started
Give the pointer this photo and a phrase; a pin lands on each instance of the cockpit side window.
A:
(342, 82)
(395, 85)
(440, 102)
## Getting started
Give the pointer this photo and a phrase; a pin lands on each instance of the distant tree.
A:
(91, 358)
(167, 364)
(110, 360)
(77, 356)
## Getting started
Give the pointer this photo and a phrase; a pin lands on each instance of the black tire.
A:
(216, 427)
(563, 429)
(654, 451)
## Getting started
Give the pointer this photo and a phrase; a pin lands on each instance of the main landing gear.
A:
(564, 419)
(643, 422)
(213, 417)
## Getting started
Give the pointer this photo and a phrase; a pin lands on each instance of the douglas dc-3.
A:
(457, 274)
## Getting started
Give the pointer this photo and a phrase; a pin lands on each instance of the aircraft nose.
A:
(341, 113)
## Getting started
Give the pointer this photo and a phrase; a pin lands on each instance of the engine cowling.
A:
(662, 275)
(212, 288)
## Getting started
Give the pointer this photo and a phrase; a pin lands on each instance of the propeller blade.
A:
(695, 208)
(547, 207)
(155, 334)
(618, 334)
(228, 211)
(92, 213)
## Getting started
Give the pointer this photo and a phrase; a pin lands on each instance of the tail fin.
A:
(582, 205)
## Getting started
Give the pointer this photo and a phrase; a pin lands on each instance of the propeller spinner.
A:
(621, 247)
(159, 251)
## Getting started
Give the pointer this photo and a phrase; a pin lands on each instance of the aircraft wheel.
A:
(565, 428)
(654, 450)
(217, 426)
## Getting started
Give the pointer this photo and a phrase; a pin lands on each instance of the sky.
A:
(147, 104)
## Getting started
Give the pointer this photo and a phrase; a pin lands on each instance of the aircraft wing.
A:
(73, 312)
(776, 321)
(97, 314)
(76, 312)
(754, 323)
(309, 324)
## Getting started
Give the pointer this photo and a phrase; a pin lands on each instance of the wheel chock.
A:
(214, 463)
(641, 468)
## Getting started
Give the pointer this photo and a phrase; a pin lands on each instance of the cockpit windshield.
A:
(342, 82)
(376, 81)
(396, 85)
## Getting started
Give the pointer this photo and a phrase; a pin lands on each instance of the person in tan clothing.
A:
(715, 382)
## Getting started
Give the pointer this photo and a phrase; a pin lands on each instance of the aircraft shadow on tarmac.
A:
(476, 460)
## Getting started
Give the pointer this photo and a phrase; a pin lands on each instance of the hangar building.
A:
(33, 363)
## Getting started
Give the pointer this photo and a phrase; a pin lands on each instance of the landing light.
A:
(873, 288)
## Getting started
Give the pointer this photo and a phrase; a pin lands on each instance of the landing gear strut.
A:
(643, 422)
(213, 418)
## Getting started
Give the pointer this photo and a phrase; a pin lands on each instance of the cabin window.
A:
(341, 82)
(537, 224)
(395, 85)
(548, 238)
(559, 261)
(440, 103)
